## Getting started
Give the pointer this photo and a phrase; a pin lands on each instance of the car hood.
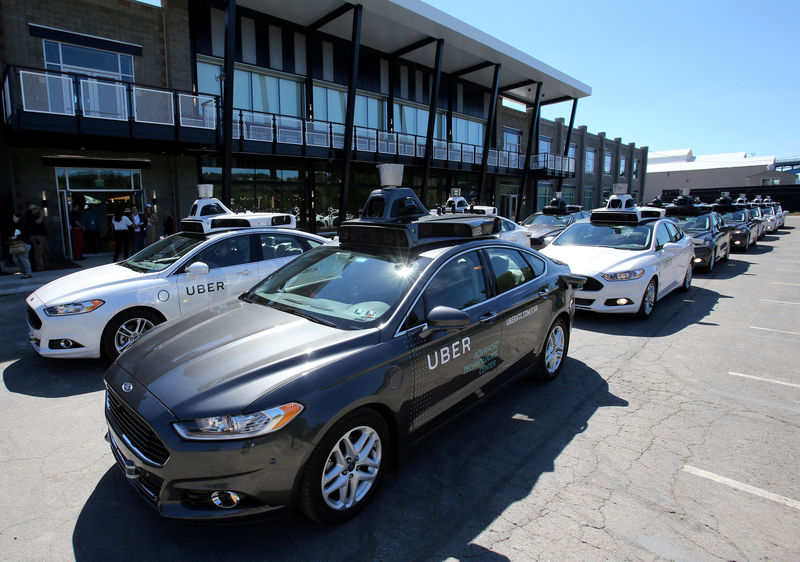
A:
(88, 283)
(221, 360)
(591, 260)
(541, 230)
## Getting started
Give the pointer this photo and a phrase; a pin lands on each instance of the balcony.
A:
(36, 100)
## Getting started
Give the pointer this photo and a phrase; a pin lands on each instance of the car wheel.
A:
(125, 328)
(345, 468)
(554, 352)
(648, 300)
(711, 261)
(687, 279)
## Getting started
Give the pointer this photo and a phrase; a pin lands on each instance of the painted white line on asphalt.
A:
(779, 302)
(777, 331)
(789, 284)
(793, 385)
(742, 486)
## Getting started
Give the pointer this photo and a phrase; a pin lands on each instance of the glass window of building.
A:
(544, 145)
(94, 62)
(512, 139)
(607, 163)
(412, 120)
(636, 169)
(588, 197)
(572, 150)
(588, 163)
(468, 131)
(623, 166)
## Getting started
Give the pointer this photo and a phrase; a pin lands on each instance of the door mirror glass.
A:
(445, 318)
(197, 268)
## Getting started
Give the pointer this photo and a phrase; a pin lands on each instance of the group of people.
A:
(29, 249)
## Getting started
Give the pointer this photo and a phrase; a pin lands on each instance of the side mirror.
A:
(196, 269)
(444, 318)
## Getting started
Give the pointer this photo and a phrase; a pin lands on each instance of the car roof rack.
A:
(622, 209)
(686, 210)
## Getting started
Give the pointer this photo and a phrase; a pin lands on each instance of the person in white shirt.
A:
(121, 225)
(138, 232)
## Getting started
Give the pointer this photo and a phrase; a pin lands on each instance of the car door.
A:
(684, 251)
(446, 366)
(231, 271)
(665, 259)
(525, 298)
(278, 249)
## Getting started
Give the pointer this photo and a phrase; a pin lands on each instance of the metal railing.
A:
(76, 95)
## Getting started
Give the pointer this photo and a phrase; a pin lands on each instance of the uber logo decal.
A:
(207, 288)
(444, 355)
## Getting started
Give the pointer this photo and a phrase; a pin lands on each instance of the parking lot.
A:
(671, 438)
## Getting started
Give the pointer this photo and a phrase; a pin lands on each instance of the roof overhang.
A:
(390, 26)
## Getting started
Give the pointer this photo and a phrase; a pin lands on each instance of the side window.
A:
(537, 264)
(509, 268)
(226, 253)
(416, 317)
(311, 243)
(675, 233)
(662, 236)
(280, 246)
(459, 284)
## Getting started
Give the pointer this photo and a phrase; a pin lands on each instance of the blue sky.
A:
(713, 76)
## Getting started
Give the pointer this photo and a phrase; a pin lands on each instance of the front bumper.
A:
(599, 295)
(702, 255)
(49, 335)
(177, 477)
(739, 241)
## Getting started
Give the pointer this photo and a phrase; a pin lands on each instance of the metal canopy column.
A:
(437, 74)
(569, 136)
(489, 132)
(227, 101)
(350, 115)
(529, 150)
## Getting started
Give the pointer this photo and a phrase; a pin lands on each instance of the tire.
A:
(330, 457)
(125, 328)
(687, 279)
(554, 352)
(648, 300)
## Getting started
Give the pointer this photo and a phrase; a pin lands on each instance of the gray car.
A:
(300, 391)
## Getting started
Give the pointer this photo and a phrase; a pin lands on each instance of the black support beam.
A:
(437, 75)
(350, 114)
(227, 101)
(473, 68)
(324, 20)
(487, 140)
(413, 47)
(518, 85)
(531, 150)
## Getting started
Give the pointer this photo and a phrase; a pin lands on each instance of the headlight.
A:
(739, 231)
(239, 426)
(624, 275)
(73, 308)
(702, 242)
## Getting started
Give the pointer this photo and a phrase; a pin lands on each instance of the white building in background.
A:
(680, 169)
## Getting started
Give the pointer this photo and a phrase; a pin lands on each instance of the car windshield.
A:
(693, 223)
(538, 219)
(734, 216)
(622, 237)
(163, 253)
(344, 288)
(767, 211)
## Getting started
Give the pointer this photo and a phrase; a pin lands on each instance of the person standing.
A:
(121, 225)
(37, 232)
(169, 223)
(19, 251)
(137, 233)
(152, 223)
(92, 232)
(76, 231)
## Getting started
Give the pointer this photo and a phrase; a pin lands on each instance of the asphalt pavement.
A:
(673, 438)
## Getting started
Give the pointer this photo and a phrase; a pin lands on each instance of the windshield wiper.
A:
(302, 314)
(136, 268)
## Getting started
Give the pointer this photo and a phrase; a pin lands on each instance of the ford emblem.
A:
(127, 387)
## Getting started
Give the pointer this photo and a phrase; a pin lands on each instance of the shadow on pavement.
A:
(724, 269)
(672, 314)
(443, 494)
(51, 378)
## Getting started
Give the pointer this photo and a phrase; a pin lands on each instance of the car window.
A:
(675, 233)
(537, 264)
(662, 235)
(163, 253)
(279, 246)
(509, 268)
(226, 253)
(506, 225)
(539, 219)
(460, 283)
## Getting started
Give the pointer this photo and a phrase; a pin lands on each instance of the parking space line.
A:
(742, 486)
(774, 330)
(779, 302)
(793, 385)
(789, 284)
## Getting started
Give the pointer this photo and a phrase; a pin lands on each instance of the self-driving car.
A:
(299, 392)
(545, 225)
(631, 257)
(102, 310)
(708, 232)
(743, 224)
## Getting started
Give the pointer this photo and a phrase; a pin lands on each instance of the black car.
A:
(300, 391)
(707, 229)
(742, 222)
(551, 221)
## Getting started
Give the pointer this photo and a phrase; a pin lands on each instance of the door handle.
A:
(488, 317)
(246, 272)
(544, 292)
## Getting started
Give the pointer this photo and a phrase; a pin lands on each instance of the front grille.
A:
(592, 284)
(536, 241)
(148, 483)
(584, 302)
(33, 319)
(136, 431)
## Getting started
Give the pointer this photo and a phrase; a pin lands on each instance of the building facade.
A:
(121, 103)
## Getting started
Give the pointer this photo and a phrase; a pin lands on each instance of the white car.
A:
(631, 257)
(102, 310)
(511, 231)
